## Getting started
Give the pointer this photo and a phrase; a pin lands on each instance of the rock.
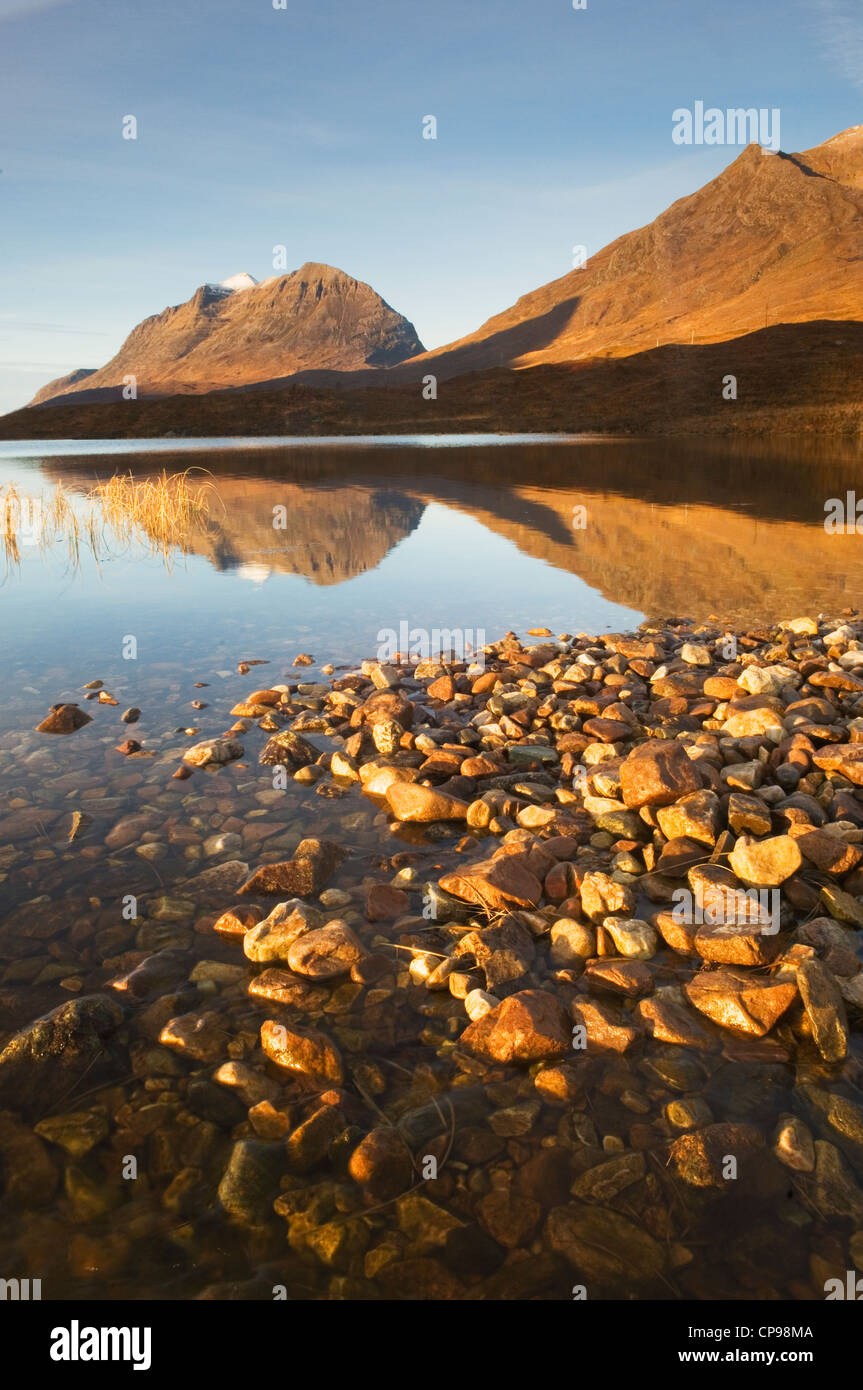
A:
(200, 1036)
(844, 758)
(495, 884)
(160, 972)
(272, 938)
(514, 1121)
(508, 1217)
(827, 852)
(844, 907)
(628, 977)
(267, 1121)
(836, 1118)
(250, 1182)
(572, 943)
(603, 1247)
(602, 1029)
(768, 680)
(745, 1004)
(688, 1114)
(323, 953)
(238, 921)
(385, 705)
(679, 935)
(211, 886)
(302, 1051)
(793, 1145)
(668, 1018)
(657, 773)
(679, 855)
(746, 944)
(46, 1059)
(695, 817)
(427, 1226)
(222, 844)
(830, 1192)
(825, 935)
(63, 719)
(530, 1026)
(385, 903)
(341, 765)
(169, 909)
(701, 1159)
(601, 896)
(478, 1003)
(765, 863)
(380, 779)
(753, 718)
(559, 1084)
(409, 801)
(386, 735)
(382, 1164)
(310, 1142)
(607, 1180)
(313, 864)
(632, 937)
(744, 776)
(748, 815)
(504, 950)
(283, 987)
(213, 752)
(250, 1085)
(289, 750)
(77, 1132)
(824, 1008)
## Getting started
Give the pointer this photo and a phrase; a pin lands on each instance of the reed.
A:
(154, 515)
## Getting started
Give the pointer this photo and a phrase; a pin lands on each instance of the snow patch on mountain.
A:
(236, 283)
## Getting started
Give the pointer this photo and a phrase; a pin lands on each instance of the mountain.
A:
(62, 384)
(775, 238)
(767, 257)
(240, 332)
(792, 379)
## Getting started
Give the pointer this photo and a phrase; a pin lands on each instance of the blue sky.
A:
(302, 127)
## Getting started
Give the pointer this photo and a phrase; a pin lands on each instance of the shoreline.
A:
(609, 940)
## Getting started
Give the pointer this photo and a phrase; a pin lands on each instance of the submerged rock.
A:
(213, 752)
(530, 1026)
(63, 719)
(44, 1060)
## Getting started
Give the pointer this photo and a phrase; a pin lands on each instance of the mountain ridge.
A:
(774, 240)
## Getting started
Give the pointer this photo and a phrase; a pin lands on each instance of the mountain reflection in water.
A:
(689, 529)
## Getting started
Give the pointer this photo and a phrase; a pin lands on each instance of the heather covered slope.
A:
(773, 239)
(791, 379)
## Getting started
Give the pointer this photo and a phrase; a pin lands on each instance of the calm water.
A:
(485, 535)
(492, 535)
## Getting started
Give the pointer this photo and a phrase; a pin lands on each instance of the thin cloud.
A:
(840, 33)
